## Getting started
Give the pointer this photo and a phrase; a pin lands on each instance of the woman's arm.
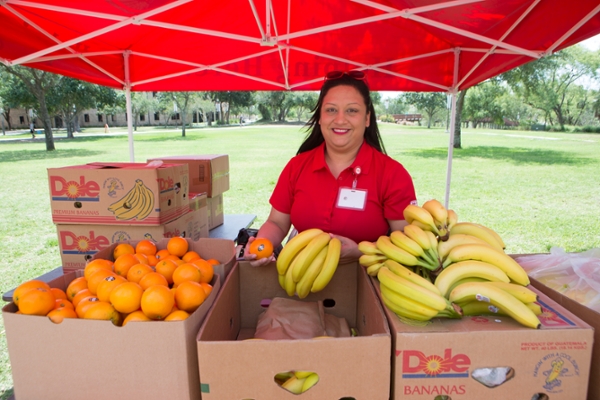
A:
(397, 225)
(275, 229)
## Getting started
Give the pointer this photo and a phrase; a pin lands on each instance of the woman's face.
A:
(344, 118)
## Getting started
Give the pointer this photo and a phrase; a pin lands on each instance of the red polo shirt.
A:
(308, 192)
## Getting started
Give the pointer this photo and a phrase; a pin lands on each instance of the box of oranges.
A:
(80, 336)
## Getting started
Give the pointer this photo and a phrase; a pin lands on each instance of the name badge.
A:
(354, 199)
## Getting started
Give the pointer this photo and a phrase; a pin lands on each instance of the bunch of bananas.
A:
(464, 261)
(297, 382)
(137, 203)
(307, 262)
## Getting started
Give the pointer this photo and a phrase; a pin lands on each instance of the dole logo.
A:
(416, 364)
(60, 187)
(165, 184)
(80, 244)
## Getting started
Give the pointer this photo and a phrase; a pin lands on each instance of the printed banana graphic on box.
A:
(137, 203)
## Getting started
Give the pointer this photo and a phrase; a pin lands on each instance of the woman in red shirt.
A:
(341, 180)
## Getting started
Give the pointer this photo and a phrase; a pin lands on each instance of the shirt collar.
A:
(362, 160)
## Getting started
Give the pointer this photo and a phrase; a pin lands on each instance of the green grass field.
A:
(536, 189)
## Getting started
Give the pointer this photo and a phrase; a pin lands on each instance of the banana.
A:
(148, 202)
(369, 248)
(480, 231)
(407, 274)
(452, 219)
(293, 385)
(283, 376)
(464, 280)
(407, 303)
(309, 253)
(366, 260)
(439, 214)
(401, 311)
(305, 283)
(130, 208)
(433, 249)
(524, 294)
(288, 281)
(418, 235)
(410, 289)
(444, 247)
(413, 213)
(373, 269)
(482, 308)
(124, 201)
(281, 280)
(468, 268)
(329, 265)
(535, 307)
(483, 291)
(310, 381)
(480, 252)
(293, 247)
(302, 374)
(391, 251)
(406, 243)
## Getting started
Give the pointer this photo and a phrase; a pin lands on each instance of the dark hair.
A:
(315, 136)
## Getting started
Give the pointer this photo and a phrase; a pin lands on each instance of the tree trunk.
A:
(183, 116)
(47, 123)
(457, 123)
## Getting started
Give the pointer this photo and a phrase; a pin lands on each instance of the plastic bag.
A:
(576, 275)
(294, 319)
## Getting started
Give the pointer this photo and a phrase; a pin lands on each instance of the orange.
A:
(207, 288)
(96, 264)
(151, 279)
(166, 268)
(177, 246)
(186, 272)
(147, 247)
(152, 260)
(177, 315)
(190, 255)
(37, 301)
(123, 248)
(189, 296)
(136, 316)
(84, 304)
(262, 247)
(63, 303)
(161, 254)
(126, 297)
(157, 302)
(82, 294)
(58, 293)
(124, 262)
(76, 285)
(137, 272)
(104, 311)
(213, 261)
(58, 314)
(206, 270)
(107, 285)
(27, 286)
(142, 258)
(98, 277)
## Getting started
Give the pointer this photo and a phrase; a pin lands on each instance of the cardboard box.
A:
(222, 250)
(216, 216)
(208, 172)
(118, 193)
(441, 358)
(78, 243)
(233, 368)
(91, 359)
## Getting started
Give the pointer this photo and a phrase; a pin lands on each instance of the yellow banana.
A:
(418, 235)
(373, 269)
(464, 280)
(409, 275)
(482, 308)
(407, 303)
(309, 253)
(402, 312)
(535, 307)
(406, 243)
(413, 213)
(391, 251)
(444, 247)
(293, 247)
(480, 252)
(293, 385)
(439, 214)
(329, 266)
(305, 283)
(452, 219)
(433, 249)
(469, 268)
(368, 248)
(483, 291)
(366, 260)
(288, 282)
(480, 231)
(524, 294)
(410, 289)
(281, 280)
(302, 374)
(310, 381)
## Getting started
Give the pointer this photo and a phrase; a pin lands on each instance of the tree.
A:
(14, 94)
(305, 102)
(235, 100)
(483, 103)
(427, 103)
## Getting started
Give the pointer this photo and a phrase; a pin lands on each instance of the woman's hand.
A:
(252, 257)
(349, 251)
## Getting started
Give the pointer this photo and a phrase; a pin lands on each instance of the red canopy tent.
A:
(177, 45)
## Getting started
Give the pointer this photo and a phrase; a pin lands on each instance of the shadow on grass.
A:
(515, 155)
(23, 155)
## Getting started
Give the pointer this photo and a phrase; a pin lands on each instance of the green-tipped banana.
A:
(480, 252)
(444, 247)
(410, 289)
(329, 266)
(372, 270)
(409, 275)
(413, 213)
(480, 231)
(465, 269)
(369, 248)
(310, 381)
(407, 303)
(293, 247)
(308, 254)
(305, 283)
(524, 294)
(484, 291)
(393, 252)
(367, 260)
(402, 312)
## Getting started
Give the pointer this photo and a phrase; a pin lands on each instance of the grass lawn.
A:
(536, 189)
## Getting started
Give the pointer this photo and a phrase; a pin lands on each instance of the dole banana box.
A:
(349, 367)
(78, 243)
(119, 193)
(492, 357)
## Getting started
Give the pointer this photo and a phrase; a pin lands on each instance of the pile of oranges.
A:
(143, 283)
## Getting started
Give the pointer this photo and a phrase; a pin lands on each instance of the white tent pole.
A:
(128, 106)
(453, 93)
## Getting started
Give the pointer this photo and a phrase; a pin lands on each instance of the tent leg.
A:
(450, 148)
(129, 122)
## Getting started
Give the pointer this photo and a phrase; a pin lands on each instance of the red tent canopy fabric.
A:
(177, 45)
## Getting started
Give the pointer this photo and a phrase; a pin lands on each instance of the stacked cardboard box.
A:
(208, 173)
(95, 205)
